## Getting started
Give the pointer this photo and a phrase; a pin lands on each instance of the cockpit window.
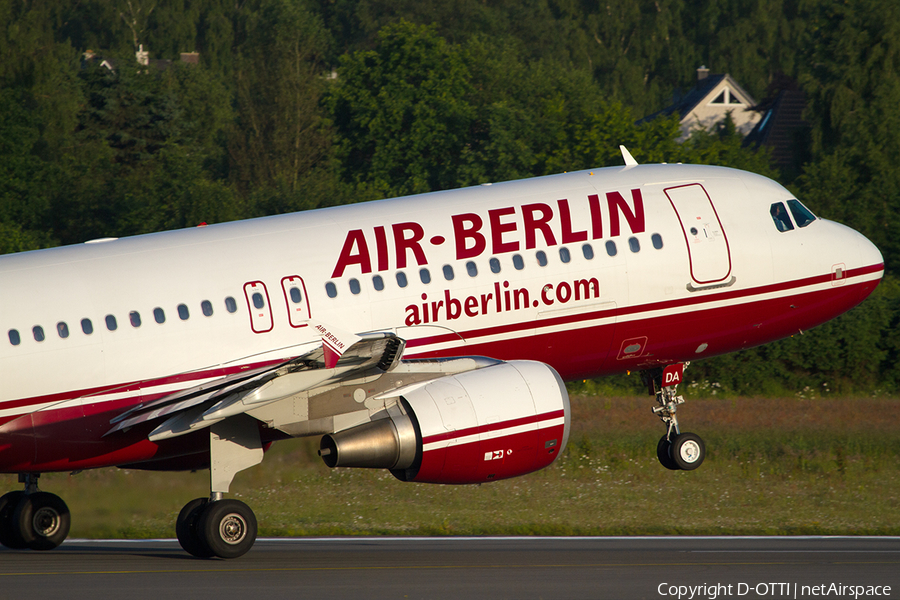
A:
(780, 216)
(802, 215)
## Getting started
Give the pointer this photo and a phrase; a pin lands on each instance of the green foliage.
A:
(402, 114)
(435, 95)
(280, 136)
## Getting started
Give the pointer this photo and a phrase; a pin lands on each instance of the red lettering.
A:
(404, 243)
(471, 306)
(587, 286)
(412, 315)
(569, 236)
(533, 224)
(453, 306)
(381, 248)
(547, 300)
(462, 233)
(596, 217)
(616, 203)
(521, 294)
(563, 292)
(498, 229)
(355, 239)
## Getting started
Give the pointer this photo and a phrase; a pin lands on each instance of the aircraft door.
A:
(260, 308)
(707, 244)
(296, 300)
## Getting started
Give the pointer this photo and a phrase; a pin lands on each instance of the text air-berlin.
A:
(498, 231)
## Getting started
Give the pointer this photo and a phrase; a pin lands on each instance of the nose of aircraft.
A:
(867, 266)
(870, 255)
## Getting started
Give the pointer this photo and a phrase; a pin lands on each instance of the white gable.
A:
(725, 97)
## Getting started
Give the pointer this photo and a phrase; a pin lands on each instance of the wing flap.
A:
(202, 405)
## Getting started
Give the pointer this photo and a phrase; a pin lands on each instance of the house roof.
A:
(698, 94)
(782, 127)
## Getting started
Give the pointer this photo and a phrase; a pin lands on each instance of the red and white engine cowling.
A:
(492, 423)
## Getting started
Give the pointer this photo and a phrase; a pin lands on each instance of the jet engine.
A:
(483, 425)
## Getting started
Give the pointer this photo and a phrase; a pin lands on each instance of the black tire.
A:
(186, 528)
(9, 531)
(688, 451)
(663, 453)
(228, 527)
(43, 520)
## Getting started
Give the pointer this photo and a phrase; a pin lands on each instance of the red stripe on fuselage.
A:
(71, 438)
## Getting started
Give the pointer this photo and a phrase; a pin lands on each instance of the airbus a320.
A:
(429, 335)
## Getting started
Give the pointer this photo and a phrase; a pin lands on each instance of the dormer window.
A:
(727, 97)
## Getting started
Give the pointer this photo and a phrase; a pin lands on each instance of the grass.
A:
(782, 467)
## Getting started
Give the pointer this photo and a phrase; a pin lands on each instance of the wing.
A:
(341, 356)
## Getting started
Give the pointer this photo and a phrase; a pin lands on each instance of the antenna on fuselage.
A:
(629, 159)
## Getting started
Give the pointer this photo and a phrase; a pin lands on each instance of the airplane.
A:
(429, 335)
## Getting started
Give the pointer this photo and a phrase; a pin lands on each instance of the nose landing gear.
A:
(675, 450)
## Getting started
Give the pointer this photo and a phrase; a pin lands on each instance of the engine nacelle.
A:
(492, 423)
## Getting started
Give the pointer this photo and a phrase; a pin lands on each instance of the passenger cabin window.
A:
(495, 265)
(781, 218)
(38, 333)
(588, 251)
(611, 248)
(111, 323)
(401, 279)
(634, 244)
(377, 281)
(354, 286)
(448, 272)
(231, 304)
(184, 314)
(657, 241)
(472, 269)
(62, 329)
(541, 258)
(257, 298)
(564, 255)
(159, 315)
(518, 263)
(207, 308)
(802, 215)
(425, 275)
(87, 327)
(135, 318)
(14, 338)
(331, 289)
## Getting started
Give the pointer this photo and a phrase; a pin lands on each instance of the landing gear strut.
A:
(208, 527)
(675, 450)
(32, 518)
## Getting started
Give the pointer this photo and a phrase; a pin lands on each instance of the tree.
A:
(280, 139)
(402, 114)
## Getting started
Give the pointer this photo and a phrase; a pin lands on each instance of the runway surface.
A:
(464, 568)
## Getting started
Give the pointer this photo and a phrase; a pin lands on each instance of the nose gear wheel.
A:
(675, 450)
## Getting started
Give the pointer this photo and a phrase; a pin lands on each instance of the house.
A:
(142, 57)
(711, 99)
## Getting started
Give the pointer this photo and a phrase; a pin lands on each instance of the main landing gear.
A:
(675, 450)
(214, 527)
(208, 527)
(32, 518)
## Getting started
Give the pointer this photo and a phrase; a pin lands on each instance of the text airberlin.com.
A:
(712, 591)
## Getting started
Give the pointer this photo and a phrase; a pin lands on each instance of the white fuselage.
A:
(523, 269)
